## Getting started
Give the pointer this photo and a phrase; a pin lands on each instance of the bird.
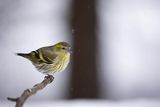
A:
(50, 59)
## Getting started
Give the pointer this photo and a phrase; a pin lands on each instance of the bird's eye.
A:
(64, 48)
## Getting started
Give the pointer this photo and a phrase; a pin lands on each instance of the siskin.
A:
(50, 59)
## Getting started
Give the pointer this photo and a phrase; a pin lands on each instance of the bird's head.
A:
(63, 47)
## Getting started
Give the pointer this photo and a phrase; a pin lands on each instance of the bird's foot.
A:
(50, 77)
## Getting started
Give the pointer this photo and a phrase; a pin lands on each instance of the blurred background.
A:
(116, 49)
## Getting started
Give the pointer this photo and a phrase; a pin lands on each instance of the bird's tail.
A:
(23, 55)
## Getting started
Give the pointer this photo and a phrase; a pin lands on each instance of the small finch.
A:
(50, 59)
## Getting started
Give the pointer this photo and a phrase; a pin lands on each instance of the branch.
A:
(29, 92)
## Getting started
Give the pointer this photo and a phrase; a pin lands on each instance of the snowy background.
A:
(129, 46)
(90, 103)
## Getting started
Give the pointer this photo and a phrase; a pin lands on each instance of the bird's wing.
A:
(46, 55)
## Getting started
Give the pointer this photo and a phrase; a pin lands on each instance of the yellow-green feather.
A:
(51, 59)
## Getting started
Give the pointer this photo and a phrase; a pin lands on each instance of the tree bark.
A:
(84, 79)
(29, 92)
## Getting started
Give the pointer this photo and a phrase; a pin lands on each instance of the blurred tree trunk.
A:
(84, 82)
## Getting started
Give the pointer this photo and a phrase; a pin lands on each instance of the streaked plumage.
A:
(50, 59)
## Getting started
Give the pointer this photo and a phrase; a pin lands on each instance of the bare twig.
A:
(29, 92)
